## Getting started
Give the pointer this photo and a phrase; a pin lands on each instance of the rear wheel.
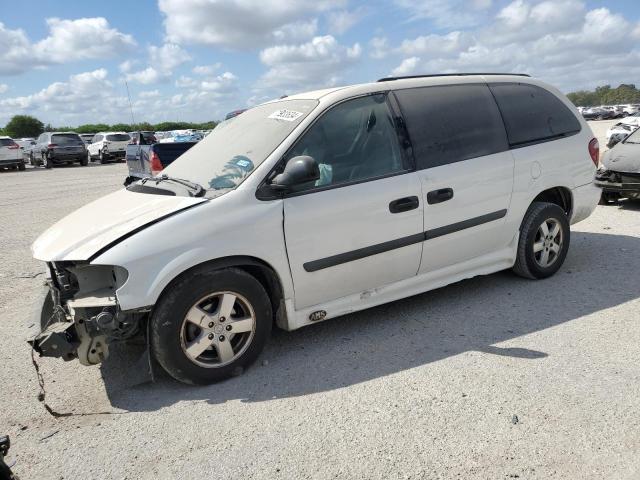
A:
(544, 241)
(211, 325)
(21, 166)
(102, 157)
(84, 160)
(47, 161)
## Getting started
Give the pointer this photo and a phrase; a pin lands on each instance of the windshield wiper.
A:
(198, 189)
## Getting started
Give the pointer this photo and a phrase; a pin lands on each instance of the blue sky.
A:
(67, 62)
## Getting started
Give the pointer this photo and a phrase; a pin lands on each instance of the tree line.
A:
(21, 126)
(605, 95)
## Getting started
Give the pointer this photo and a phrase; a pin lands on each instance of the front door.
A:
(360, 225)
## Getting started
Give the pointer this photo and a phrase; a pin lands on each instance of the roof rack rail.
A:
(389, 79)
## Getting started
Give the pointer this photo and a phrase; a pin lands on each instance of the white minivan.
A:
(317, 205)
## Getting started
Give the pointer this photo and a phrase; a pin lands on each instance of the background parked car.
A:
(55, 148)
(106, 146)
(10, 154)
(147, 160)
(148, 137)
(617, 112)
(631, 109)
(597, 113)
(87, 137)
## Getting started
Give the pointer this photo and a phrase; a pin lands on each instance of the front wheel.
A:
(84, 160)
(211, 325)
(544, 241)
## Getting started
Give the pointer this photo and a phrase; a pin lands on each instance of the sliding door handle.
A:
(404, 204)
(439, 196)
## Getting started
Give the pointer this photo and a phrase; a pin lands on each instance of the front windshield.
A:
(633, 137)
(236, 147)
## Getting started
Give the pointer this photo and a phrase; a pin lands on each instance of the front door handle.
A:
(404, 204)
(439, 196)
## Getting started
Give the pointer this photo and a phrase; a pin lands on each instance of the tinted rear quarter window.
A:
(532, 114)
(5, 142)
(452, 123)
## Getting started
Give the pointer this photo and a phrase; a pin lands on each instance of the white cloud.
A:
(342, 20)
(320, 62)
(206, 69)
(68, 41)
(3, 87)
(433, 44)
(167, 57)
(447, 13)
(406, 67)
(379, 47)
(147, 76)
(162, 61)
(82, 96)
(557, 40)
(149, 94)
(296, 31)
(235, 23)
(185, 82)
(222, 83)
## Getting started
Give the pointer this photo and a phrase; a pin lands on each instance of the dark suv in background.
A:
(54, 148)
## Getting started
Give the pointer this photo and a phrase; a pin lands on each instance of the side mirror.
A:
(301, 169)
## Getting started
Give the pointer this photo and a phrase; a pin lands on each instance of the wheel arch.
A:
(257, 268)
(560, 196)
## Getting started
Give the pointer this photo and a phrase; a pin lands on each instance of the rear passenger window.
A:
(532, 114)
(449, 124)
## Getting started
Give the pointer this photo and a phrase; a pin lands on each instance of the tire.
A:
(102, 158)
(532, 264)
(84, 161)
(172, 335)
(47, 162)
(21, 167)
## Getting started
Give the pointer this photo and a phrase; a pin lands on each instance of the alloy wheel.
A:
(548, 243)
(217, 329)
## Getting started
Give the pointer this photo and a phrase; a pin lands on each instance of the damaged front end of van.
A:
(79, 314)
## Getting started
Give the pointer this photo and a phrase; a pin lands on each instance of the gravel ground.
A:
(494, 377)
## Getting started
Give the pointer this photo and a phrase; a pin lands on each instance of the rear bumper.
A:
(66, 157)
(585, 201)
(119, 155)
(11, 162)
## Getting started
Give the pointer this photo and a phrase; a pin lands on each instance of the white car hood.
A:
(624, 157)
(81, 234)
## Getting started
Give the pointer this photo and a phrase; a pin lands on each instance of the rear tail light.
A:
(51, 145)
(155, 164)
(14, 146)
(594, 151)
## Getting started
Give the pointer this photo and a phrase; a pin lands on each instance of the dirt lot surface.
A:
(494, 377)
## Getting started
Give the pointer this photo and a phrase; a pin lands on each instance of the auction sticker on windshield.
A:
(284, 114)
